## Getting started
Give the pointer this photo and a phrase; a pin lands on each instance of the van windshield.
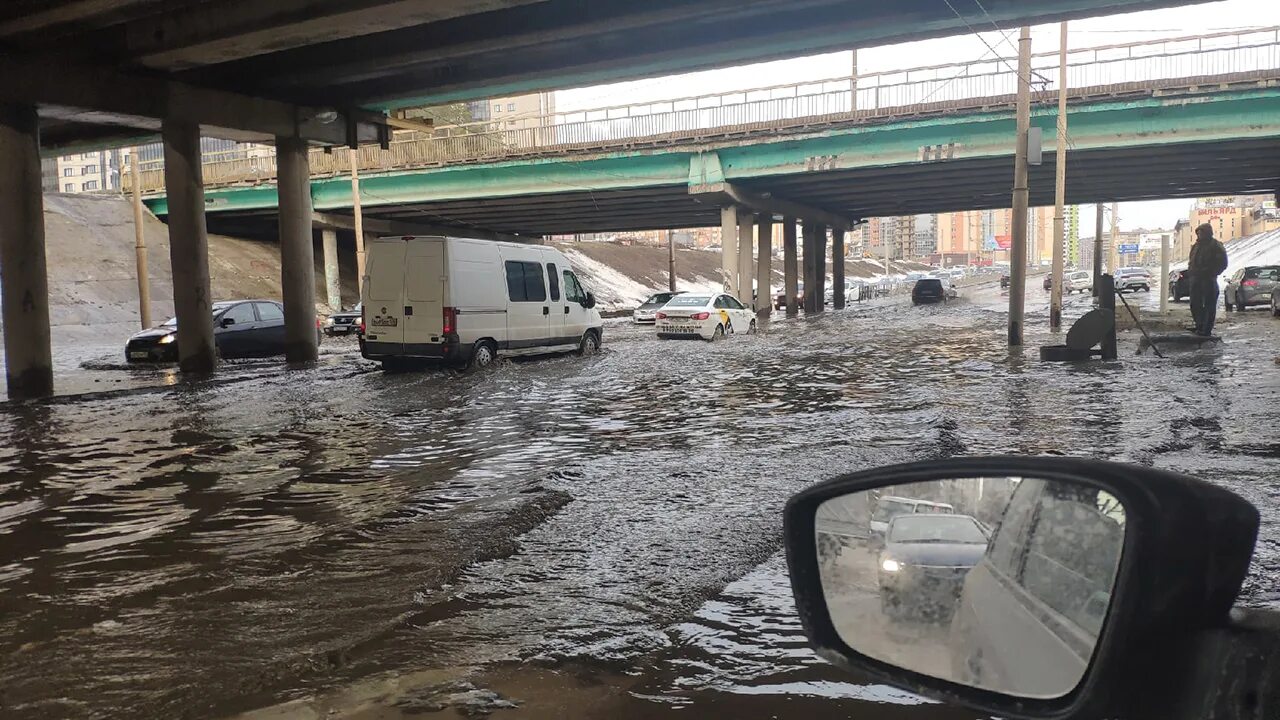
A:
(889, 509)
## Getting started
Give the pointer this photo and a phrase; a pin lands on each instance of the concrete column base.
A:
(24, 280)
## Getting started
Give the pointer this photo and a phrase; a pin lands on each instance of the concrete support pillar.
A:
(837, 268)
(332, 283)
(297, 256)
(188, 245)
(764, 264)
(820, 267)
(746, 259)
(791, 279)
(24, 280)
(808, 259)
(729, 248)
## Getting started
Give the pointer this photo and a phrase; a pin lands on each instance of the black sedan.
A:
(1179, 284)
(924, 563)
(344, 323)
(241, 328)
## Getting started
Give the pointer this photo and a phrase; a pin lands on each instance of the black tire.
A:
(728, 328)
(1275, 307)
(751, 329)
(718, 334)
(483, 354)
(590, 344)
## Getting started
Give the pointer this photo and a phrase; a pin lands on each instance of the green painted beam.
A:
(1121, 124)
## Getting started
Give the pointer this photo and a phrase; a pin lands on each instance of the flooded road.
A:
(196, 550)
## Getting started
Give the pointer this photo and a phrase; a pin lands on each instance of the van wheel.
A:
(589, 345)
(482, 355)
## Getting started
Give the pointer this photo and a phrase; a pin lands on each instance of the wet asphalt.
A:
(196, 549)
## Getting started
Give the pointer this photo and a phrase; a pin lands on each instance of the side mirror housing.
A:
(1020, 587)
(590, 302)
(227, 322)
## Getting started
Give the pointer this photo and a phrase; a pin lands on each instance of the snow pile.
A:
(613, 290)
(1259, 249)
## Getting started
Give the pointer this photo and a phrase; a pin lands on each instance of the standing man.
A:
(1208, 260)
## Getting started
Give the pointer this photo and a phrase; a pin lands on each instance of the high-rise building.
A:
(924, 235)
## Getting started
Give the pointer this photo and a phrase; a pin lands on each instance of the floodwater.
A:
(179, 549)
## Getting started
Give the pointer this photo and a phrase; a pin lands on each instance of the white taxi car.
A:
(706, 316)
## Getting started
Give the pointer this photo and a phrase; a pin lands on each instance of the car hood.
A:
(154, 332)
(346, 315)
(941, 554)
(650, 307)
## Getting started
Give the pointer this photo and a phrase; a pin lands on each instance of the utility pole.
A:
(140, 242)
(1060, 185)
(671, 260)
(1164, 274)
(1114, 260)
(853, 82)
(1018, 249)
(358, 215)
(1097, 250)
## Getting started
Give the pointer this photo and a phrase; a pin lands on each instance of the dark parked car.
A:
(780, 300)
(1004, 280)
(1179, 284)
(1251, 286)
(928, 290)
(926, 558)
(241, 328)
(344, 323)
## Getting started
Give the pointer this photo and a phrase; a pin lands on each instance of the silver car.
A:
(647, 313)
(1078, 281)
(1133, 279)
(1251, 285)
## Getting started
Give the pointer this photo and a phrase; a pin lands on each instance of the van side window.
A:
(524, 282)
(572, 290)
(1008, 551)
(553, 280)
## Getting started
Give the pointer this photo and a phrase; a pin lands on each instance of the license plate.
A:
(138, 355)
(385, 322)
(677, 327)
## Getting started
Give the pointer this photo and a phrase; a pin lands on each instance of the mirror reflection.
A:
(997, 583)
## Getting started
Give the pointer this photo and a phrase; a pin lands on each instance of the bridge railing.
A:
(1094, 70)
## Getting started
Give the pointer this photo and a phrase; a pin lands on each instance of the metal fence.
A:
(1252, 54)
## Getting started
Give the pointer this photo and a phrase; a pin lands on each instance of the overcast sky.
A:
(1115, 29)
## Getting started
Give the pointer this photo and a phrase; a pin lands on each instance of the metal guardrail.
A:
(878, 94)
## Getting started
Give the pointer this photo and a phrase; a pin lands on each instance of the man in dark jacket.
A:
(1208, 260)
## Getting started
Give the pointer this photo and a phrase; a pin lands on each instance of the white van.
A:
(469, 301)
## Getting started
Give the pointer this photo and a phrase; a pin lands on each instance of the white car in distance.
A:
(706, 316)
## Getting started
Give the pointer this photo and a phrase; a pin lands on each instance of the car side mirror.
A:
(590, 301)
(1086, 600)
(227, 322)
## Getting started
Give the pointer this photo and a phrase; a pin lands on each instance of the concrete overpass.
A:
(85, 73)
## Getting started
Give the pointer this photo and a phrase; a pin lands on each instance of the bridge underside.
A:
(1161, 147)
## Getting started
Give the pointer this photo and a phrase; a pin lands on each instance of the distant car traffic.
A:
(925, 560)
(645, 314)
(1004, 279)
(1251, 285)
(1133, 279)
(1179, 285)
(710, 317)
(344, 323)
(241, 328)
(929, 290)
(1080, 281)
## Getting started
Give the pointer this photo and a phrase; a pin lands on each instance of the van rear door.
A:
(424, 278)
(383, 295)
